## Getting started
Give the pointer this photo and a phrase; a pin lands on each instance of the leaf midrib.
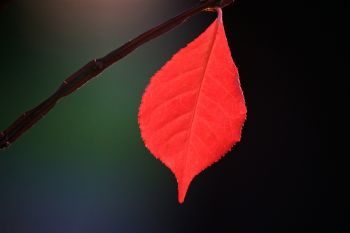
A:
(194, 114)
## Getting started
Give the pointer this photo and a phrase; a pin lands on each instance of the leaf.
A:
(193, 110)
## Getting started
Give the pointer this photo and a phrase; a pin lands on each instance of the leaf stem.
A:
(94, 68)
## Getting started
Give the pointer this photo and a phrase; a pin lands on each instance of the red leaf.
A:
(193, 110)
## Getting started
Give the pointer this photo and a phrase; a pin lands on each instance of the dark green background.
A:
(84, 167)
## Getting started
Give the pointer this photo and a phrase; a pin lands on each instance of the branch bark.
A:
(94, 68)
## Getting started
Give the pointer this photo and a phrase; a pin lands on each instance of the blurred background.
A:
(84, 167)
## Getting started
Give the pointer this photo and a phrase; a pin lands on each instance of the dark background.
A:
(84, 167)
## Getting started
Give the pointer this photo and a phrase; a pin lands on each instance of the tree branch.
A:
(95, 67)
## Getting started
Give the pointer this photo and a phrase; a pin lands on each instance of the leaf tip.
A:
(182, 190)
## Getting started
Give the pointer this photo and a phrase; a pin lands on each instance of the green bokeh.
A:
(87, 153)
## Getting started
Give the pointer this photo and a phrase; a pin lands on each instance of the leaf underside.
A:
(193, 110)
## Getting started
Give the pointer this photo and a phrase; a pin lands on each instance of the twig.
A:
(95, 67)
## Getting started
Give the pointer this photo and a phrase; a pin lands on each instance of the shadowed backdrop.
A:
(84, 168)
